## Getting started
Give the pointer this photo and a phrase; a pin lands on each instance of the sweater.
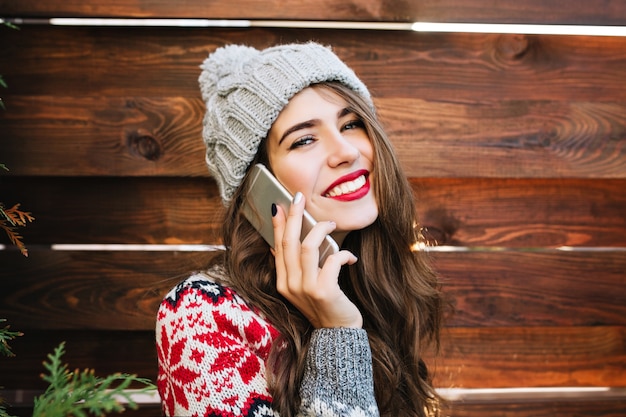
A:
(212, 347)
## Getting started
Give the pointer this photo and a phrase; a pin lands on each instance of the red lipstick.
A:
(349, 196)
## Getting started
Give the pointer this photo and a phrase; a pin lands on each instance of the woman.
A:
(265, 331)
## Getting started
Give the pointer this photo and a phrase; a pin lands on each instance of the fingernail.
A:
(274, 210)
(297, 198)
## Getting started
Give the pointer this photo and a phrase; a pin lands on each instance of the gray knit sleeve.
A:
(338, 378)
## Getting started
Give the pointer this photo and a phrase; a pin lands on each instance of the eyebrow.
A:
(296, 127)
(310, 123)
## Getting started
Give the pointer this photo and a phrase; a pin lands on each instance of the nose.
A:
(341, 150)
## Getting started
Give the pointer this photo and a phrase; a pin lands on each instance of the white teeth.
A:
(347, 187)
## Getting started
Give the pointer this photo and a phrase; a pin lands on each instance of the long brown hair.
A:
(393, 286)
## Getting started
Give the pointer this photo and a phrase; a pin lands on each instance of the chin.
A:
(362, 223)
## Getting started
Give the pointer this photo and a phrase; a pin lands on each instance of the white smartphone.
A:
(265, 190)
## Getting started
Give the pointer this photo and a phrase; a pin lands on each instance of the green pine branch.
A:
(4, 412)
(2, 84)
(80, 394)
(5, 336)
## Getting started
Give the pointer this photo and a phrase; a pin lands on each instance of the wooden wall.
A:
(515, 146)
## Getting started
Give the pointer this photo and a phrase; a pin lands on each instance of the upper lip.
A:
(348, 177)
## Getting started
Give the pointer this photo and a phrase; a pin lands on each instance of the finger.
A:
(310, 249)
(291, 243)
(278, 223)
(327, 283)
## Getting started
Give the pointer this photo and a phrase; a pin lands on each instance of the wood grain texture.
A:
(141, 136)
(608, 12)
(105, 352)
(521, 213)
(121, 290)
(532, 356)
(144, 410)
(534, 288)
(163, 62)
(119, 210)
(581, 408)
(497, 213)
(90, 290)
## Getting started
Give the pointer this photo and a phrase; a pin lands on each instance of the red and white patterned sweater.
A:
(212, 347)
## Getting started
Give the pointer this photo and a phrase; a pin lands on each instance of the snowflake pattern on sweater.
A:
(212, 347)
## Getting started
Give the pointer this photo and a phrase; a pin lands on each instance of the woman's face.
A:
(321, 149)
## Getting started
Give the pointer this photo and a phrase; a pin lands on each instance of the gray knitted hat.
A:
(245, 89)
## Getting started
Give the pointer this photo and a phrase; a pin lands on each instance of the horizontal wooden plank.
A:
(143, 410)
(582, 408)
(609, 12)
(523, 357)
(514, 213)
(121, 290)
(97, 210)
(522, 213)
(90, 290)
(104, 352)
(585, 407)
(470, 358)
(162, 62)
(510, 139)
(125, 136)
(103, 136)
(534, 288)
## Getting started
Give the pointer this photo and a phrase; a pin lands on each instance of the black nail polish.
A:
(274, 210)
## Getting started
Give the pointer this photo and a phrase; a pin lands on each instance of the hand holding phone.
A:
(266, 190)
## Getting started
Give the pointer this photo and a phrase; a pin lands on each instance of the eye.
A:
(354, 124)
(303, 141)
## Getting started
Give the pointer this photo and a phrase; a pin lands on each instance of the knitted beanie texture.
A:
(245, 89)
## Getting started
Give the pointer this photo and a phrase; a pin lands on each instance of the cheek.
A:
(295, 178)
(366, 149)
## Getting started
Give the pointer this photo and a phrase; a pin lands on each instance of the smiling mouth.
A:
(347, 187)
